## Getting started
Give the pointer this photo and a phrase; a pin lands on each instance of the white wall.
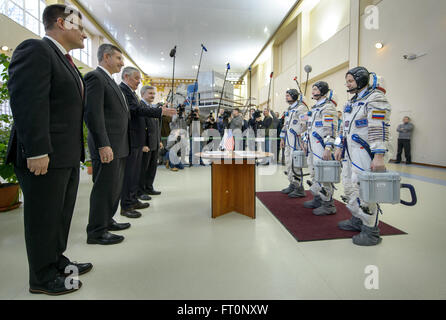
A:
(415, 88)
(326, 19)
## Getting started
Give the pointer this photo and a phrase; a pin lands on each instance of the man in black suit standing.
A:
(46, 145)
(131, 79)
(107, 117)
(152, 147)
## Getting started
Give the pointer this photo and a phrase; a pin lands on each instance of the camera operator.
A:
(210, 122)
(236, 120)
(178, 121)
(193, 116)
(267, 124)
(256, 121)
(220, 124)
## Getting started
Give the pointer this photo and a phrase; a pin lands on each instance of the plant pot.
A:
(9, 196)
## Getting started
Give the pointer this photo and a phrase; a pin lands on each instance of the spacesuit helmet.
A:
(294, 94)
(361, 76)
(323, 89)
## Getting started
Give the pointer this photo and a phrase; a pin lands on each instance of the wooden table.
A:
(233, 181)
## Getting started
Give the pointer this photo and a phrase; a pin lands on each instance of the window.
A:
(84, 55)
(28, 13)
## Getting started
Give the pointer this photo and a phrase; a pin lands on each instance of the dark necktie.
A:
(70, 60)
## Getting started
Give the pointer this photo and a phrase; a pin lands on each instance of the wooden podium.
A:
(233, 181)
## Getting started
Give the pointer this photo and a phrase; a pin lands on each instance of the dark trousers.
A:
(105, 195)
(48, 208)
(404, 144)
(131, 179)
(148, 171)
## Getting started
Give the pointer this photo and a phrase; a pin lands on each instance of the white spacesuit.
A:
(294, 125)
(321, 134)
(364, 135)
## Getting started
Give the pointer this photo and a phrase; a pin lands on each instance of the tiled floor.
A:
(176, 251)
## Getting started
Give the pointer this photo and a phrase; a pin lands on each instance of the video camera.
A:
(257, 114)
(194, 115)
(180, 111)
(226, 114)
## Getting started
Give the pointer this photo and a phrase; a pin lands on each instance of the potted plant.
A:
(9, 189)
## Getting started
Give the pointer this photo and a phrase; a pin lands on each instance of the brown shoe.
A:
(174, 169)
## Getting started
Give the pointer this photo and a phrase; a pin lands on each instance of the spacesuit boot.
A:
(289, 189)
(352, 224)
(326, 208)
(313, 204)
(369, 236)
(298, 192)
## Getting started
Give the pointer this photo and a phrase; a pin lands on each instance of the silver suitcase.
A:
(299, 159)
(327, 171)
(379, 187)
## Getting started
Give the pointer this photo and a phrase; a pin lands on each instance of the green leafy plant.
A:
(6, 170)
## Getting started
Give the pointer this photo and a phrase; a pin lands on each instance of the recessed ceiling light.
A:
(379, 45)
(162, 59)
(265, 30)
(5, 48)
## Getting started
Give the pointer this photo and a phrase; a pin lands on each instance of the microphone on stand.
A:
(173, 52)
(307, 69)
(204, 48)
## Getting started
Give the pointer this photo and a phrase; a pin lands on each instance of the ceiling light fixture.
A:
(5, 48)
(379, 45)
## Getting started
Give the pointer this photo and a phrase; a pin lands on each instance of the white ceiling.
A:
(232, 30)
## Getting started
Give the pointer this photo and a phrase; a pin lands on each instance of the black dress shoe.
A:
(56, 287)
(82, 268)
(131, 214)
(153, 192)
(105, 239)
(145, 197)
(118, 226)
(140, 205)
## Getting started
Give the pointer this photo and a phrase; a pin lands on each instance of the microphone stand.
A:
(223, 89)
(298, 85)
(174, 52)
(248, 103)
(269, 90)
(196, 79)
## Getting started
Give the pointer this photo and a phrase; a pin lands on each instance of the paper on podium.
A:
(248, 154)
(217, 153)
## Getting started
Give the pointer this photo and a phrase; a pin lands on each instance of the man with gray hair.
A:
(131, 79)
(107, 117)
(152, 146)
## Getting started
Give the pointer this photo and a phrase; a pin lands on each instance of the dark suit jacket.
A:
(153, 131)
(107, 115)
(137, 126)
(47, 106)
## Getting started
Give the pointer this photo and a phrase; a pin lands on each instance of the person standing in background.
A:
(339, 120)
(153, 145)
(405, 135)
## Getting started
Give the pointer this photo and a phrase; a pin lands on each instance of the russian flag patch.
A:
(379, 114)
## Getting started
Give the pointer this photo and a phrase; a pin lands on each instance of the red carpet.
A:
(305, 226)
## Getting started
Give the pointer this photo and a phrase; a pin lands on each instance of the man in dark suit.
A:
(131, 79)
(107, 117)
(152, 147)
(46, 145)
